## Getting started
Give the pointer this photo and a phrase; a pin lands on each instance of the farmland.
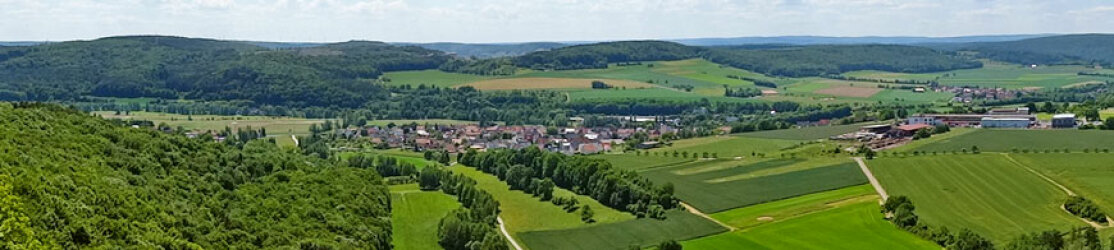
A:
(279, 128)
(640, 162)
(725, 184)
(996, 74)
(1088, 174)
(806, 133)
(678, 225)
(993, 140)
(522, 212)
(860, 92)
(986, 193)
(727, 146)
(553, 83)
(415, 215)
(787, 209)
(854, 226)
(429, 78)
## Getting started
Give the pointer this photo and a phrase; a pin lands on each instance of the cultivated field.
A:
(806, 133)
(523, 212)
(995, 140)
(727, 146)
(1088, 174)
(415, 215)
(553, 83)
(986, 193)
(853, 226)
(719, 185)
(279, 128)
(857, 92)
(787, 209)
(997, 74)
(429, 78)
(678, 225)
(640, 162)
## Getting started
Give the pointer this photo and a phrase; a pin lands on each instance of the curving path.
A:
(503, 228)
(693, 210)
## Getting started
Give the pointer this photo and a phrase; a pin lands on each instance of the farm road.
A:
(693, 210)
(873, 181)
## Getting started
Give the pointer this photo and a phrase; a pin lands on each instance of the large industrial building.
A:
(1063, 121)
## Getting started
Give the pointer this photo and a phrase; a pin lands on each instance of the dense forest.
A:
(173, 68)
(599, 55)
(69, 180)
(835, 59)
(1086, 49)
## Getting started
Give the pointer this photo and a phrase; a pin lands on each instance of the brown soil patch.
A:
(551, 83)
(849, 91)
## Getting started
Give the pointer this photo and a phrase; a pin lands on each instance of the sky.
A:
(479, 21)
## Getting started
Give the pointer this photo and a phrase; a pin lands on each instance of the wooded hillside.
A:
(69, 180)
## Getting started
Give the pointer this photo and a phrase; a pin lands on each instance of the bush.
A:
(1086, 209)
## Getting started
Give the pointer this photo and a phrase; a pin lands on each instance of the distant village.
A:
(460, 138)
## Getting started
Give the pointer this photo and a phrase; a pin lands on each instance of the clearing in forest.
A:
(553, 83)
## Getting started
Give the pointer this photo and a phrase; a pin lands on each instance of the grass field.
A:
(679, 225)
(415, 215)
(996, 74)
(278, 127)
(640, 162)
(937, 138)
(431, 77)
(778, 211)
(995, 140)
(727, 146)
(806, 133)
(854, 226)
(986, 193)
(859, 92)
(418, 162)
(553, 83)
(719, 185)
(523, 212)
(1088, 174)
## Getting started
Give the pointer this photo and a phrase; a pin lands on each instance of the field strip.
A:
(693, 210)
(873, 181)
(1042, 176)
(503, 228)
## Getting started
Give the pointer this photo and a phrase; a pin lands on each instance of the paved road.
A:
(503, 228)
(873, 181)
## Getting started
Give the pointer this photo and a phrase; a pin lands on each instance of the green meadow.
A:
(280, 128)
(678, 225)
(727, 146)
(787, 209)
(855, 226)
(806, 133)
(415, 215)
(523, 212)
(1006, 140)
(1088, 174)
(640, 162)
(722, 184)
(431, 77)
(986, 193)
(996, 74)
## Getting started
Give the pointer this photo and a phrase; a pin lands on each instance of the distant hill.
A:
(824, 40)
(835, 59)
(468, 50)
(175, 67)
(600, 54)
(1066, 49)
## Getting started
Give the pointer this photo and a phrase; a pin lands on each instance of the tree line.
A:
(596, 178)
(474, 225)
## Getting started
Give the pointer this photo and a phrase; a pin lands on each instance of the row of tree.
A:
(474, 225)
(596, 178)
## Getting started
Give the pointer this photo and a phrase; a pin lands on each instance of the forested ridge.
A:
(835, 59)
(1067, 49)
(69, 180)
(173, 67)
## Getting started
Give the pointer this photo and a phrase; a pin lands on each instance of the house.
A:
(1063, 121)
(589, 148)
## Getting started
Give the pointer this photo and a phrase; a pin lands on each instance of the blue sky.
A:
(529, 20)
